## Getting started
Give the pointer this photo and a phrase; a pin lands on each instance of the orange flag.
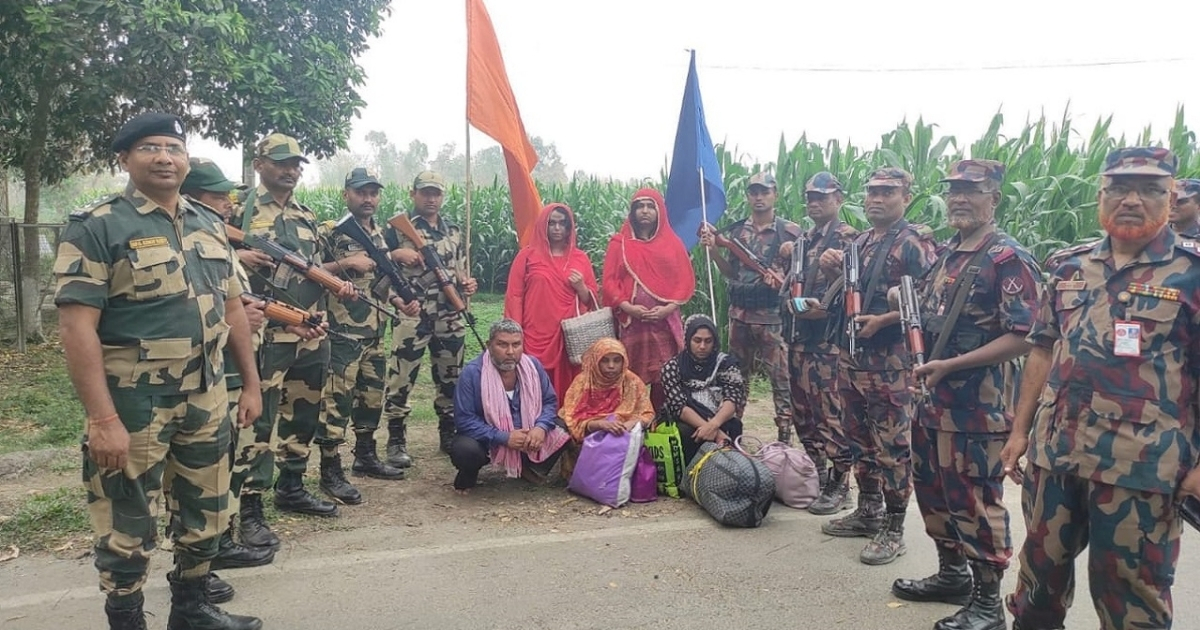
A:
(492, 109)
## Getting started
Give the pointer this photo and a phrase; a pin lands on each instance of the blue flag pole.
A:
(712, 297)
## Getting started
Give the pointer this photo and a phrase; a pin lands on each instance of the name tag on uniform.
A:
(261, 223)
(1127, 339)
(150, 241)
(1071, 285)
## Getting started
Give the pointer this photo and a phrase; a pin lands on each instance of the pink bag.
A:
(797, 484)
(644, 485)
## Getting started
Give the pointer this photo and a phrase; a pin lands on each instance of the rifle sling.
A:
(880, 257)
(962, 287)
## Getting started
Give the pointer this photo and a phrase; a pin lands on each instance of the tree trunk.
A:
(248, 163)
(4, 211)
(31, 263)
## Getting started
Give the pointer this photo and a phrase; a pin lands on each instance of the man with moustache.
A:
(1105, 416)
(977, 304)
(1185, 212)
(354, 392)
(877, 403)
(813, 358)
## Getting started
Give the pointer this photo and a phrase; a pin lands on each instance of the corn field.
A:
(1049, 194)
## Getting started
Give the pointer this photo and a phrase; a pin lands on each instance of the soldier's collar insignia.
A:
(1162, 293)
(149, 241)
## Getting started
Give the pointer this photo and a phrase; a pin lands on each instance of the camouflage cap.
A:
(975, 171)
(764, 179)
(890, 176)
(823, 182)
(1187, 188)
(360, 177)
(148, 124)
(429, 179)
(207, 176)
(1153, 161)
(278, 147)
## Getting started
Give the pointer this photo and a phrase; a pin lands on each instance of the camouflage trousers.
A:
(354, 391)
(959, 482)
(765, 341)
(877, 416)
(180, 442)
(817, 407)
(444, 337)
(293, 377)
(1132, 538)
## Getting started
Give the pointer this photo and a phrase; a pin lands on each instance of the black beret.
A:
(148, 124)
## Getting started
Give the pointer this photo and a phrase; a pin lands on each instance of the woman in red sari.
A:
(551, 280)
(647, 277)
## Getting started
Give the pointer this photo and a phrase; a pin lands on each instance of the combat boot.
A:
(231, 555)
(835, 494)
(219, 591)
(865, 521)
(397, 445)
(888, 543)
(784, 434)
(446, 433)
(367, 462)
(191, 609)
(333, 480)
(125, 611)
(252, 527)
(951, 584)
(985, 611)
(292, 496)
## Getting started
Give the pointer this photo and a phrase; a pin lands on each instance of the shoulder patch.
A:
(204, 207)
(1188, 245)
(1058, 256)
(86, 212)
(924, 231)
(1002, 253)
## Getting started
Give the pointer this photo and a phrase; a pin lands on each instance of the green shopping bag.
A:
(666, 445)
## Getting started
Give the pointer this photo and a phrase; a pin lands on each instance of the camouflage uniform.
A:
(813, 366)
(438, 326)
(755, 322)
(1113, 436)
(161, 284)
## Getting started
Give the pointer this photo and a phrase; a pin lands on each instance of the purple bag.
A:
(644, 487)
(605, 466)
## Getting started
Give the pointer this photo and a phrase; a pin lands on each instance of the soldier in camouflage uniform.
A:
(354, 393)
(148, 300)
(1185, 212)
(813, 358)
(876, 402)
(438, 326)
(755, 321)
(972, 341)
(1109, 391)
(288, 361)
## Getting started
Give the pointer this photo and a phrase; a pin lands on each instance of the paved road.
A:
(676, 572)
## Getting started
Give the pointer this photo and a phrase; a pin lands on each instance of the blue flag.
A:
(693, 165)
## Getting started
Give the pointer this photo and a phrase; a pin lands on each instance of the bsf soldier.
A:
(876, 402)
(438, 327)
(148, 301)
(354, 393)
(289, 361)
(977, 304)
(206, 184)
(1185, 212)
(755, 322)
(1106, 408)
(813, 358)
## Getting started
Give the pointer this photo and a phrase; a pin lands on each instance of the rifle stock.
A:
(746, 257)
(289, 315)
(433, 262)
(910, 319)
(797, 272)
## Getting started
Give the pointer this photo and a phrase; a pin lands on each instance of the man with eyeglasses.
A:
(289, 361)
(1185, 212)
(1106, 416)
(148, 303)
(876, 402)
(977, 304)
(755, 321)
(812, 357)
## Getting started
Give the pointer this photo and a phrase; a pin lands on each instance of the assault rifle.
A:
(307, 268)
(289, 315)
(850, 268)
(796, 273)
(910, 319)
(433, 262)
(350, 227)
(746, 257)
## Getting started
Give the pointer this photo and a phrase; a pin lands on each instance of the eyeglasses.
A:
(173, 150)
(954, 191)
(1146, 191)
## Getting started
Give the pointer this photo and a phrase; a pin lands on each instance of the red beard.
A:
(1142, 232)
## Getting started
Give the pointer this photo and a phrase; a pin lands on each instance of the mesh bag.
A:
(735, 489)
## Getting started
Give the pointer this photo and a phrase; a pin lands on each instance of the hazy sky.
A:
(604, 80)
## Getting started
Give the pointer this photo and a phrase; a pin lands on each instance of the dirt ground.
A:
(425, 498)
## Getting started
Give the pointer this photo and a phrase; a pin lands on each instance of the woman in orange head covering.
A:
(647, 277)
(551, 280)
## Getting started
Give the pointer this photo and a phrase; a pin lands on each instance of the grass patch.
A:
(38, 407)
(43, 521)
